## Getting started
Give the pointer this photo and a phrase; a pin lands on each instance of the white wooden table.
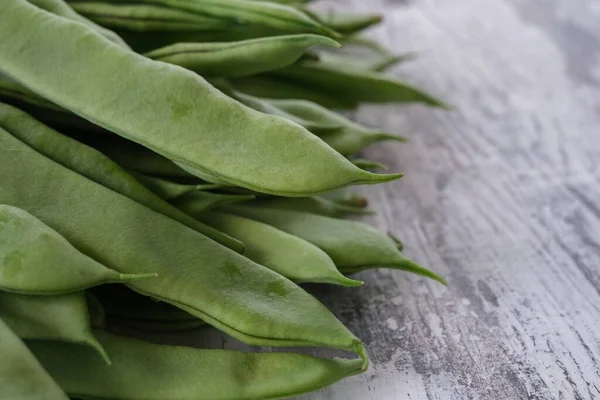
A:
(501, 196)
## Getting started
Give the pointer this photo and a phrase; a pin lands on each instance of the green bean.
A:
(34, 259)
(196, 274)
(124, 303)
(354, 84)
(64, 318)
(145, 371)
(157, 326)
(386, 63)
(274, 87)
(59, 7)
(285, 254)
(146, 17)
(21, 375)
(352, 199)
(169, 190)
(348, 23)
(382, 63)
(349, 139)
(208, 133)
(276, 16)
(399, 243)
(96, 167)
(242, 58)
(200, 201)
(96, 311)
(315, 205)
(353, 246)
(368, 164)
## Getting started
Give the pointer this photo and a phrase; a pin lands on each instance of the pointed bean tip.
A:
(381, 178)
(325, 41)
(391, 136)
(347, 282)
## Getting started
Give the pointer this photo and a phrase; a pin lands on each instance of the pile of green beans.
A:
(166, 165)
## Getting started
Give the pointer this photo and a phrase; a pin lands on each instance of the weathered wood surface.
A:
(501, 196)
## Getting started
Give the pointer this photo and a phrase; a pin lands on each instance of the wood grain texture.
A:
(501, 196)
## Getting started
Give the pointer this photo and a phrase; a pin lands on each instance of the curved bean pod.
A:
(147, 17)
(21, 375)
(242, 58)
(64, 318)
(34, 259)
(200, 201)
(182, 104)
(353, 246)
(315, 205)
(196, 274)
(97, 167)
(273, 15)
(59, 7)
(349, 139)
(162, 372)
(285, 254)
(355, 84)
(275, 87)
(348, 23)
(169, 190)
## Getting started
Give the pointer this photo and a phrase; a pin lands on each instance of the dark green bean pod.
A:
(353, 246)
(146, 371)
(169, 190)
(368, 164)
(273, 15)
(147, 17)
(35, 259)
(199, 201)
(354, 84)
(97, 167)
(285, 254)
(59, 7)
(63, 317)
(168, 109)
(21, 375)
(348, 23)
(274, 87)
(315, 205)
(349, 139)
(196, 274)
(122, 302)
(242, 58)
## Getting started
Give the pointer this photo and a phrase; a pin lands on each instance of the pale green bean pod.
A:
(353, 246)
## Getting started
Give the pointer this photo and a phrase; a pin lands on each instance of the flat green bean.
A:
(275, 87)
(34, 259)
(59, 7)
(349, 139)
(285, 254)
(200, 201)
(196, 274)
(96, 167)
(354, 84)
(348, 23)
(242, 58)
(315, 205)
(353, 246)
(169, 190)
(63, 318)
(147, 17)
(21, 375)
(145, 371)
(187, 120)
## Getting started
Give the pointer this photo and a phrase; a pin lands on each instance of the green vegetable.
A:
(63, 317)
(26, 243)
(203, 125)
(21, 375)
